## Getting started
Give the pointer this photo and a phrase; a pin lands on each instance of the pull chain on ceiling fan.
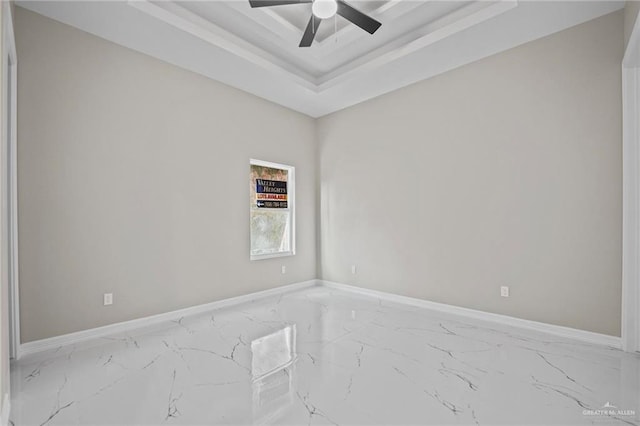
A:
(324, 9)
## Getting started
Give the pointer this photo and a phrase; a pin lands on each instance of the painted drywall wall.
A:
(133, 179)
(631, 10)
(504, 172)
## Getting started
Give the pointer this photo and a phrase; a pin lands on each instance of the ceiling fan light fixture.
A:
(324, 9)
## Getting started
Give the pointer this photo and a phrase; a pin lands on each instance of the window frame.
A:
(291, 208)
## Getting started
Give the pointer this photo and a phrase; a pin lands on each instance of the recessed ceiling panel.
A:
(339, 44)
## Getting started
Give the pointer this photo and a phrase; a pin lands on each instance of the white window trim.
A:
(291, 185)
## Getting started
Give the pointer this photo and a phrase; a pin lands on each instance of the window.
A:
(272, 191)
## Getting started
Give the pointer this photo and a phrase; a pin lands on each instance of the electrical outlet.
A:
(504, 291)
(108, 299)
(283, 269)
(353, 269)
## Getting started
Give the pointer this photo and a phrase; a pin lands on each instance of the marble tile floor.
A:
(324, 356)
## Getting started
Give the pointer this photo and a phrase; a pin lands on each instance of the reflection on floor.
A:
(322, 356)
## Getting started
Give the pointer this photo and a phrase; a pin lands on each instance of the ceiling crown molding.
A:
(187, 21)
(456, 21)
(450, 24)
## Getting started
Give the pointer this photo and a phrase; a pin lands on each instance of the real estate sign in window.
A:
(271, 209)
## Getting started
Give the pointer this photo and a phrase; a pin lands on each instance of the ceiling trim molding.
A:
(271, 21)
(211, 33)
(466, 17)
(446, 26)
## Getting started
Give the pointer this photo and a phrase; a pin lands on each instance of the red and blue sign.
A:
(271, 194)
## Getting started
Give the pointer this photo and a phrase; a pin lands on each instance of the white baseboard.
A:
(107, 330)
(5, 411)
(120, 327)
(556, 330)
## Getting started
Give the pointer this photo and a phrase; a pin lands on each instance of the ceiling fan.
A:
(324, 9)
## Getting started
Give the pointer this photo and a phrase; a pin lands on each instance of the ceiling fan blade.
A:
(310, 32)
(365, 22)
(267, 3)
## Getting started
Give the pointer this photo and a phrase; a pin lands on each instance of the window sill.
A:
(271, 255)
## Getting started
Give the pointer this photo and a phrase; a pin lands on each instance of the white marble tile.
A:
(322, 356)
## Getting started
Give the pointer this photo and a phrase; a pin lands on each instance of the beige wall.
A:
(133, 179)
(631, 10)
(506, 171)
(503, 172)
